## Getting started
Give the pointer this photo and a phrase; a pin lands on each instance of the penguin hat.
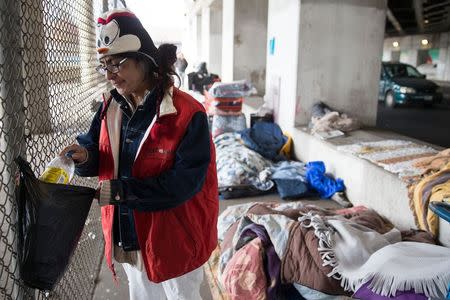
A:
(120, 31)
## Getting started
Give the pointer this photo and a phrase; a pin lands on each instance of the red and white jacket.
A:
(173, 241)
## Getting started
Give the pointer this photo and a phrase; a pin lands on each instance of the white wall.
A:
(281, 66)
(340, 57)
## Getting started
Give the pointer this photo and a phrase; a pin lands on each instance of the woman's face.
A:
(130, 79)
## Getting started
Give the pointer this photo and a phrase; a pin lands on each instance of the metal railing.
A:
(48, 88)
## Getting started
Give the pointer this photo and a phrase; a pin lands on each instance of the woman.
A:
(150, 146)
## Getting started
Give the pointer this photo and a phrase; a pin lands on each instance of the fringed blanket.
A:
(304, 241)
(359, 255)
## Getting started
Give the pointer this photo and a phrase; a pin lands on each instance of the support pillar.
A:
(244, 41)
(329, 51)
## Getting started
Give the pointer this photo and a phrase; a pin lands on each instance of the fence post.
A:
(12, 142)
(36, 68)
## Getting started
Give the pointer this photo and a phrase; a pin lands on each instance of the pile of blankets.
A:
(433, 185)
(323, 118)
(424, 170)
(296, 251)
(242, 171)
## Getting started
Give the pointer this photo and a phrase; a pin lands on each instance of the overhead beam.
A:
(434, 13)
(430, 7)
(418, 11)
(394, 21)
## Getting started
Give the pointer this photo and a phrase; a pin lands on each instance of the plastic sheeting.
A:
(235, 89)
(321, 182)
(51, 218)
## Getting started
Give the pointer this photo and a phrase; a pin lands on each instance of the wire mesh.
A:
(48, 91)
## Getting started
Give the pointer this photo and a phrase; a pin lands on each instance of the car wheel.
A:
(389, 100)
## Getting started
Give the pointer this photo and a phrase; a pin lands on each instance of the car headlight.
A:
(406, 90)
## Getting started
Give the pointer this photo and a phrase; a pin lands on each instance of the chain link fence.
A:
(48, 91)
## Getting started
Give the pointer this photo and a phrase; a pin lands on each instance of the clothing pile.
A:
(324, 119)
(254, 161)
(266, 138)
(238, 168)
(294, 180)
(433, 186)
(265, 248)
(227, 98)
(425, 171)
(201, 78)
(224, 102)
(235, 89)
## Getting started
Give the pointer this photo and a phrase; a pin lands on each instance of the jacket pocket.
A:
(170, 242)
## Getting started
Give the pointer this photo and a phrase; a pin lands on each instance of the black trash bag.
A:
(51, 218)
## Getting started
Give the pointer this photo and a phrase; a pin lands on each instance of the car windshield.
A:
(402, 71)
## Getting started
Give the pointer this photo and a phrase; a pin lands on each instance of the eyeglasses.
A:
(112, 68)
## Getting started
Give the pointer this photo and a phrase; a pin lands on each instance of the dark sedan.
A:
(403, 84)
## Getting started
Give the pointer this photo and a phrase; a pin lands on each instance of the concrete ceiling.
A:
(417, 16)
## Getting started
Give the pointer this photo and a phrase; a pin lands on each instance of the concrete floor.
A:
(106, 289)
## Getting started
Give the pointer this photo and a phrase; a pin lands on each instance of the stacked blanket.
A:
(433, 186)
(322, 251)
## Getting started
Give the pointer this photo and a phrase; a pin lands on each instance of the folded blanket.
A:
(404, 266)
(423, 191)
(433, 163)
(359, 254)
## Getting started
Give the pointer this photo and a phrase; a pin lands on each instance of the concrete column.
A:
(12, 141)
(192, 46)
(189, 46)
(339, 49)
(245, 28)
(105, 5)
(228, 40)
(198, 39)
(36, 68)
(205, 34)
(250, 38)
(282, 59)
(215, 38)
(443, 57)
(340, 57)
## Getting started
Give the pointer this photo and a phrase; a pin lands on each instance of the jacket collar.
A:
(166, 107)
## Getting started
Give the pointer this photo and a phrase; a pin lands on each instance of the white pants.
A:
(185, 287)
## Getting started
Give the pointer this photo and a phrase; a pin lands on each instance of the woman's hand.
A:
(79, 154)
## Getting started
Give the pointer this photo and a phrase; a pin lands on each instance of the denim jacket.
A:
(165, 191)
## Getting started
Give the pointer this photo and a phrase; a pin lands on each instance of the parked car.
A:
(403, 84)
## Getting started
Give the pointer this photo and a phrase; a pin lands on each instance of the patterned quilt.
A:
(238, 165)
(395, 156)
